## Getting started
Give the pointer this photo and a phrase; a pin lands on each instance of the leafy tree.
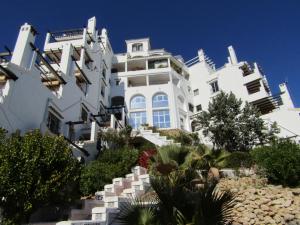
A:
(35, 170)
(280, 162)
(231, 126)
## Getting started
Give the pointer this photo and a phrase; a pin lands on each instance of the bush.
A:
(182, 137)
(280, 162)
(239, 159)
(36, 170)
(110, 164)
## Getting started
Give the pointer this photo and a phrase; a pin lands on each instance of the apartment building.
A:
(76, 85)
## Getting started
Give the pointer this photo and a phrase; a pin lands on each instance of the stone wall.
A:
(259, 203)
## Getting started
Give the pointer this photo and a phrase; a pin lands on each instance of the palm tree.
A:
(179, 202)
(170, 158)
(209, 159)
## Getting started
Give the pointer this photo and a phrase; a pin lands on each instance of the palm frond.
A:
(139, 212)
(214, 207)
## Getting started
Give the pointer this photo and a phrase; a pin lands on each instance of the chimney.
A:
(22, 55)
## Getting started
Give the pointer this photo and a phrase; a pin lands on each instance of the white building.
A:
(63, 89)
(248, 82)
(154, 85)
(76, 85)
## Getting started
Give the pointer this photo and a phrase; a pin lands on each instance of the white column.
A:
(93, 131)
(201, 55)
(285, 96)
(23, 52)
(232, 55)
(65, 64)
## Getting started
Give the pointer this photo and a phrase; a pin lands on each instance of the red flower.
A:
(145, 157)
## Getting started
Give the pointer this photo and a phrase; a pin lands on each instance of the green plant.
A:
(231, 126)
(170, 158)
(239, 159)
(182, 137)
(97, 174)
(280, 162)
(111, 163)
(36, 170)
(179, 202)
(115, 139)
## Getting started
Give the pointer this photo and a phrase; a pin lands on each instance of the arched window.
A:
(160, 100)
(138, 102)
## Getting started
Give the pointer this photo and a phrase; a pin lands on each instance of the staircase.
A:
(155, 138)
(104, 210)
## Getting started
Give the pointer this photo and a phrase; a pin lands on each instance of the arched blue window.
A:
(138, 102)
(160, 100)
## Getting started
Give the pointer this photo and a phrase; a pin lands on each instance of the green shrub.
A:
(239, 159)
(110, 164)
(182, 137)
(280, 162)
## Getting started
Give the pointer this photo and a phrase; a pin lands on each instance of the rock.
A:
(264, 207)
(287, 203)
(288, 217)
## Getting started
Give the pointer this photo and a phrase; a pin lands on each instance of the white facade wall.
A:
(230, 79)
(25, 103)
(177, 86)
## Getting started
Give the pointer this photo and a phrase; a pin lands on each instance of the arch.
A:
(160, 100)
(117, 101)
(138, 102)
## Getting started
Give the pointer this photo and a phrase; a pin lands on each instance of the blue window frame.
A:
(137, 119)
(138, 102)
(161, 119)
(160, 100)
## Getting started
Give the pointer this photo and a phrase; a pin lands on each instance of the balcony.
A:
(66, 35)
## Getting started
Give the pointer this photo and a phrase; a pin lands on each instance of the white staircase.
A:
(121, 191)
(155, 138)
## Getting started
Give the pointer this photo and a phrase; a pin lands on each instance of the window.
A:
(117, 82)
(104, 73)
(214, 87)
(103, 91)
(138, 102)
(191, 107)
(137, 47)
(137, 119)
(161, 119)
(84, 114)
(160, 100)
(182, 123)
(199, 108)
(53, 123)
(196, 92)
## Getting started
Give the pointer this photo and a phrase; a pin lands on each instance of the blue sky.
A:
(265, 31)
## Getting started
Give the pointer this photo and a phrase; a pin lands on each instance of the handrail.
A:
(8, 73)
